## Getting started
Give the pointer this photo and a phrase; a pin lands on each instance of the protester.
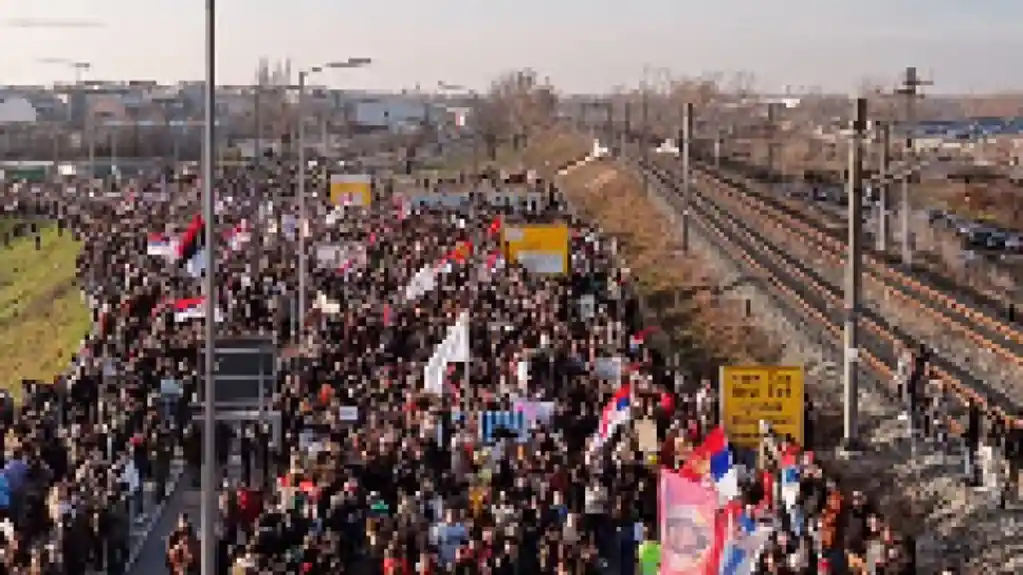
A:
(458, 400)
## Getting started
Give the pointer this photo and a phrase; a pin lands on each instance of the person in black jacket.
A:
(1014, 460)
(973, 433)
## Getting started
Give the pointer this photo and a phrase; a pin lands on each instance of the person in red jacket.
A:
(250, 506)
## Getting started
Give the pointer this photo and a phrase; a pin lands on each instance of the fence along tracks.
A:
(727, 218)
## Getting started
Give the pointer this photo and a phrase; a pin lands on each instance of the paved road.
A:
(151, 557)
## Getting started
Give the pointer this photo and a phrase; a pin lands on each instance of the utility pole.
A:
(646, 138)
(686, 140)
(258, 113)
(208, 507)
(853, 279)
(477, 124)
(771, 137)
(90, 130)
(910, 84)
(628, 125)
(610, 129)
(719, 142)
(884, 200)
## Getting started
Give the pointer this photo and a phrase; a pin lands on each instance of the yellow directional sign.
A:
(351, 190)
(751, 394)
(540, 248)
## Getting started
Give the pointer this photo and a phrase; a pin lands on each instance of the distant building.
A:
(392, 112)
(17, 110)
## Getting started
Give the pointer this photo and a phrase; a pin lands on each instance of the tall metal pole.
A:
(477, 125)
(258, 112)
(772, 109)
(209, 509)
(686, 140)
(90, 130)
(114, 140)
(626, 132)
(884, 200)
(853, 279)
(645, 110)
(609, 130)
(302, 223)
(909, 89)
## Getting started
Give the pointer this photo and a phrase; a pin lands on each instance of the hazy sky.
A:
(583, 45)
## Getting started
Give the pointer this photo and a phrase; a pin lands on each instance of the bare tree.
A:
(517, 106)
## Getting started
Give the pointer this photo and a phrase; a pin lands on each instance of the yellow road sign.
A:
(351, 190)
(540, 248)
(754, 393)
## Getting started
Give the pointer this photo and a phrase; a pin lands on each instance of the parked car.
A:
(996, 239)
(1014, 243)
(935, 216)
(977, 238)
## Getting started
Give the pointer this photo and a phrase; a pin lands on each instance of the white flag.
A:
(454, 349)
(433, 374)
(421, 284)
(458, 336)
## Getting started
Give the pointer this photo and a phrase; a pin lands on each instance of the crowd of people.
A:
(443, 409)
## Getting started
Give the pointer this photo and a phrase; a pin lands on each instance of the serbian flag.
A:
(692, 532)
(615, 413)
(161, 245)
(193, 240)
(239, 236)
(713, 459)
(187, 309)
(640, 337)
(744, 544)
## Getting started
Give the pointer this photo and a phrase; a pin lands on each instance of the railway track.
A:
(989, 309)
(726, 214)
(971, 328)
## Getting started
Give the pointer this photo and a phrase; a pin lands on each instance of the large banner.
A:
(751, 394)
(540, 248)
(691, 536)
(351, 190)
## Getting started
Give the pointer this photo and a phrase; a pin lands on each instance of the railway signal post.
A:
(645, 111)
(853, 278)
(884, 186)
(910, 85)
(685, 141)
(627, 126)
(609, 130)
(772, 139)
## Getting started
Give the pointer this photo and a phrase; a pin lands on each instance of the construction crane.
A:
(78, 66)
(51, 23)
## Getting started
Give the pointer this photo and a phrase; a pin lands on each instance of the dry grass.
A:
(553, 149)
(1000, 203)
(677, 288)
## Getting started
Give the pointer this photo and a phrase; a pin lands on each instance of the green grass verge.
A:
(42, 314)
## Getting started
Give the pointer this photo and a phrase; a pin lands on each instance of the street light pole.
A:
(209, 510)
(302, 210)
(303, 224)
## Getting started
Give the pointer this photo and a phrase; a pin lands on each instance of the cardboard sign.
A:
(646, 431)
